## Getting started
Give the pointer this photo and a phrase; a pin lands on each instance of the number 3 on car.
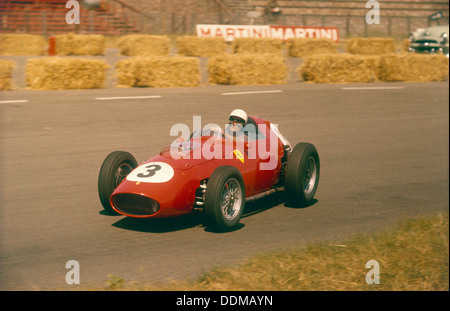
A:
(153, 172)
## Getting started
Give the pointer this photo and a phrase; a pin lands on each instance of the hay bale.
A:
(144, 45)
(413, 67)
(405, 45)
(370, 46)
(58, 73)
(201, 47)
(22, 44)
(301, 47)
(6, 67)
(75, 44)
(247, 69)
(158, 72)
(258, 46)
(339, 68)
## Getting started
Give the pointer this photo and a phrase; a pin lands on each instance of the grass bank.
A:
(412, 256)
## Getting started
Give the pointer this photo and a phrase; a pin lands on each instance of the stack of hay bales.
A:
(6, 67)
(201, 47)
(22, 44)
(405, 45)
(257, 46)
(413, 67)
(158, 72)
(370, 46)
(301, 47)
(58, 73)
(339, 68)
(247, 69)
(144, 45)
(75, 44)
(349, 68)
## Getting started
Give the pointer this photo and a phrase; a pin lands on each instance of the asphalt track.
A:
(384, 150)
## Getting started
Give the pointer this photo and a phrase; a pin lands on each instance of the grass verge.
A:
(412, 256)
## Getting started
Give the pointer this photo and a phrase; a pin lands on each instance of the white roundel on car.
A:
(152, 172)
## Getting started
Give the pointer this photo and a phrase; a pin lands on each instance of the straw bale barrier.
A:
(158, 72)
(78, 44)
(22, 44)
(301, 47)
(258, 46)
(201, 47)
(412, 67)
(405, 45)
(339, 68)
(370, 46)
(6, 67)
(247, 69)
(348, 68)
(144, 45)
(58, 73)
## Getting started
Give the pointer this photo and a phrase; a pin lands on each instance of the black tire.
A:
(225, 183)
(302, 174)
(116, 166)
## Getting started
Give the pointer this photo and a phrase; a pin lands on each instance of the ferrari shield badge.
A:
(239, 155)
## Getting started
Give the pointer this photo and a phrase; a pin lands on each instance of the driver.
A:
(236, 122)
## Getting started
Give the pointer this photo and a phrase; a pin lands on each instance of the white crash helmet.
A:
(239, 114)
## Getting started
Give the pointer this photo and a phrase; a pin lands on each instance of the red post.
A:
(52, 46)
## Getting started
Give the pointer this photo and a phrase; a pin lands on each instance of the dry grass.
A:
(6, 68)
(413, 256)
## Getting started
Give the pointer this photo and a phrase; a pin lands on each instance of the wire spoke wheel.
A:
(310, 175)
(122, 171)
(224, 198)
(231, 199)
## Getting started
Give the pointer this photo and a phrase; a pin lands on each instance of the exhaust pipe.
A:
(263, 194)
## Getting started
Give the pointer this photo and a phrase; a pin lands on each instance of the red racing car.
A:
(211, 172)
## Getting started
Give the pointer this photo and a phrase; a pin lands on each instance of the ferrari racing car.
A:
(212, 173)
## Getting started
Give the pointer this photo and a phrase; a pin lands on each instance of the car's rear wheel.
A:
(224, 198)
(302, 174)
(116, 166)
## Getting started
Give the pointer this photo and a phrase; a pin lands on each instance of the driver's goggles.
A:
(234, 120)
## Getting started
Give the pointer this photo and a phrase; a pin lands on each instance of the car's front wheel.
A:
(224, 198)
(116, 166)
